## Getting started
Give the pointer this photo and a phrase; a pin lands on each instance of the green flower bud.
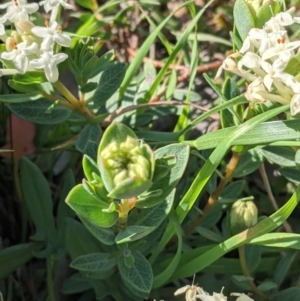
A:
(125, 163)
(243, 215)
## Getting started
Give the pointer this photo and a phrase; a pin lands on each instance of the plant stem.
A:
(214, 197)
(247, 273)
(109, 119)
(123, 213)
(76, 104)
(272, 199)
(95, 6)
(61, 102)
(18, 190)
(50, 285)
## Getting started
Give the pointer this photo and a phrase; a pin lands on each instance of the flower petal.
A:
(21, 63)
(40, 31)
(51, 72)
(58, 58)
(9, 55)
(47, 43)
(62, 40)
(37, 63)
(295, 105)
(30, 8)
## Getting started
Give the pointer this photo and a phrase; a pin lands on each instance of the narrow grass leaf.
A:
(183, 118)
(207, 170)
(266, 225)
(162, 278)
(138, 59)
(178, 47)
(278, 240)
(263, 133)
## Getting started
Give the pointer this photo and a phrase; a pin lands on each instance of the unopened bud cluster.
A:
(243, 214)
(262, 61)
(32, 47)
(126, 160)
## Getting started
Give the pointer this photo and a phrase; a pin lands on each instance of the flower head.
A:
(19, 55)
(264, 61)
(125, 163)
(18, 10)
(243, 215)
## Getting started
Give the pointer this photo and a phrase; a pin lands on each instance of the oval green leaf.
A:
(94, 262)
(243, 18)
(90, 207)
(168, 183)
(41, 111)
(139, 277)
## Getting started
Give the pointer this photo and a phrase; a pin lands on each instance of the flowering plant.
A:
(29, 46)
(267, 61)
(104, 188)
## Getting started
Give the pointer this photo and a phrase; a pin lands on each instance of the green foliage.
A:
(130, 172)
(90, 206)
(16, 256)
(88, 140)
(138, 275)
(108, 84)
(244, 17)
(37, 197)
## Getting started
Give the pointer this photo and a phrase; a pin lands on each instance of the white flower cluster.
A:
(194, 292)
(262, 61)
(32, 47)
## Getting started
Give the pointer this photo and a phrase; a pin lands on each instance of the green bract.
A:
(125, 163)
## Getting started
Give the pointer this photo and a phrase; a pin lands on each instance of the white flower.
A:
(19, 55)
(255, 90)
(291, 82)
(283, 49)
(50, 35)
(50, 4)
(284, 18)
(253, 40)
(48, 62)
(18, 10)
(270, 40)
(251, 61)
(228, 64)
(204, 296)
(281, 20)
(295, 105)
(274, 71)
